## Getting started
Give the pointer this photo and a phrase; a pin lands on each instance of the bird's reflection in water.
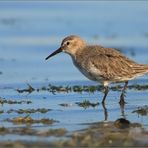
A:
(122, 110)
(120, 123)
(105, 112)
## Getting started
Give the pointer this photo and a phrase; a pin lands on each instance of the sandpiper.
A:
(97, 63)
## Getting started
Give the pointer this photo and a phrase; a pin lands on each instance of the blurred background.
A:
(30, 31)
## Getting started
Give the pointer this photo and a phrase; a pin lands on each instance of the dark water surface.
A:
(30, 31)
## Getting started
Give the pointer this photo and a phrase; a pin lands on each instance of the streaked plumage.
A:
(101, 64)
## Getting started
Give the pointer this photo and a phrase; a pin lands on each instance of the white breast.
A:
(89, 71)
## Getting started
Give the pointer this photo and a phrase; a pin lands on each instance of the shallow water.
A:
(29, 31)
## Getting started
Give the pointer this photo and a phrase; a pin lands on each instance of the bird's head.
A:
(70, 45)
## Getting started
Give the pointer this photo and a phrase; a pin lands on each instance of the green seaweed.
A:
(1, 111)
(65, 104)
(30, 89)
(143, 111)
(80, 88)
(5, 101)
(86, 104)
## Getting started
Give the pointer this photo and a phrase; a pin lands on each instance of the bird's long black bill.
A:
(54, 53)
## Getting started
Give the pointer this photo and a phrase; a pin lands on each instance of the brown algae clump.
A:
(28, 111)
(29, 120)
(3, 130)
(53, 132)
(105, 134)
(122, 123)
(59, 132)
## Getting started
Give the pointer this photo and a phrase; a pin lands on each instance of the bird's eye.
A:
(68, 43)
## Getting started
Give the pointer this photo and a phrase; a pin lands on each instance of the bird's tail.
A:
(141, 69)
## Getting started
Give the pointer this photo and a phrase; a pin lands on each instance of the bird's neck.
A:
(76, 52)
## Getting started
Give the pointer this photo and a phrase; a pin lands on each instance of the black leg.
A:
(105, 112)
(105, 94)
(123, 94)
